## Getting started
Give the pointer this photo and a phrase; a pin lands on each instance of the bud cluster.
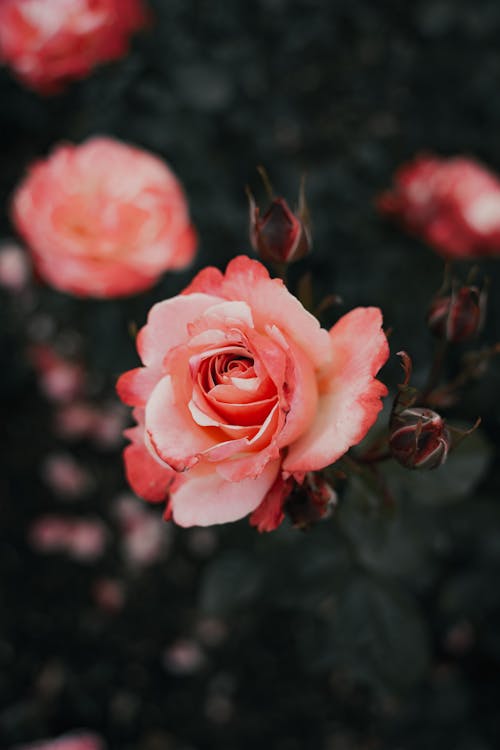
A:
(310, 501)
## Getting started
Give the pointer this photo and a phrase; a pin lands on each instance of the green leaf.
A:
(393, 542)
(370, 631)
(230, 582)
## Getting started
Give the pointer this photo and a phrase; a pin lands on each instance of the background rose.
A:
(49, 43)
(103, 219)
(453, 204)
(240, 389)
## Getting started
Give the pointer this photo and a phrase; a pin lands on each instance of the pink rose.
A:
(81, 539)
(73, 741)
(241, 390)
(103, 219)
(15, 271)
(49, 42)
(452, 204)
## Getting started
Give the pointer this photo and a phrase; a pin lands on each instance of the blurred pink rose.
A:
(50, 42)
(60, 379)
(452, 204)
(73, 741)
(82, 539)
(15, 271)
(241, 389)
(103, 219)
(143, 539)
(109, 594)
(65, 476)
(102, 423)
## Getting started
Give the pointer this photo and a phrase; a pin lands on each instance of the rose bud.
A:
(279, 235)
(310, 501)
(459, 316)
(419, 438)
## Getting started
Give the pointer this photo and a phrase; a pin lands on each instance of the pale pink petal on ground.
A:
(205, 498)
(350, 397)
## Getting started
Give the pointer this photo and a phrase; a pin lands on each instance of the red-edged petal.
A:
(269, 515)
(350, 396)
(149, 479)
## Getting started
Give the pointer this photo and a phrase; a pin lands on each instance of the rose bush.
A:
(452, 204)
(103, 219)
(242, 391)
(50, 43)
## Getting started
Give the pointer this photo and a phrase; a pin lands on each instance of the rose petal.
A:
(269, 515)
(135, 386)
(167, 325)
(205, 498)
(171, 431)
(349, 397)
(270, 302)
(147, 477)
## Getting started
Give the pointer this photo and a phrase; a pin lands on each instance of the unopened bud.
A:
(310, 501)
(459, 316)
(419, 438)
(279, 235)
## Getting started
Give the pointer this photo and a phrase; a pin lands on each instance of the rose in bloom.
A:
(452, 204)
(103, 219)
(48, 43)
(243, 392)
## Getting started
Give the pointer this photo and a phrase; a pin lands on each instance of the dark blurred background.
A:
(375, 629)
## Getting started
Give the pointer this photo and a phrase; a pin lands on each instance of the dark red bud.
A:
(310, 501)
(459, 316)
(419, 438)
(280, 235)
